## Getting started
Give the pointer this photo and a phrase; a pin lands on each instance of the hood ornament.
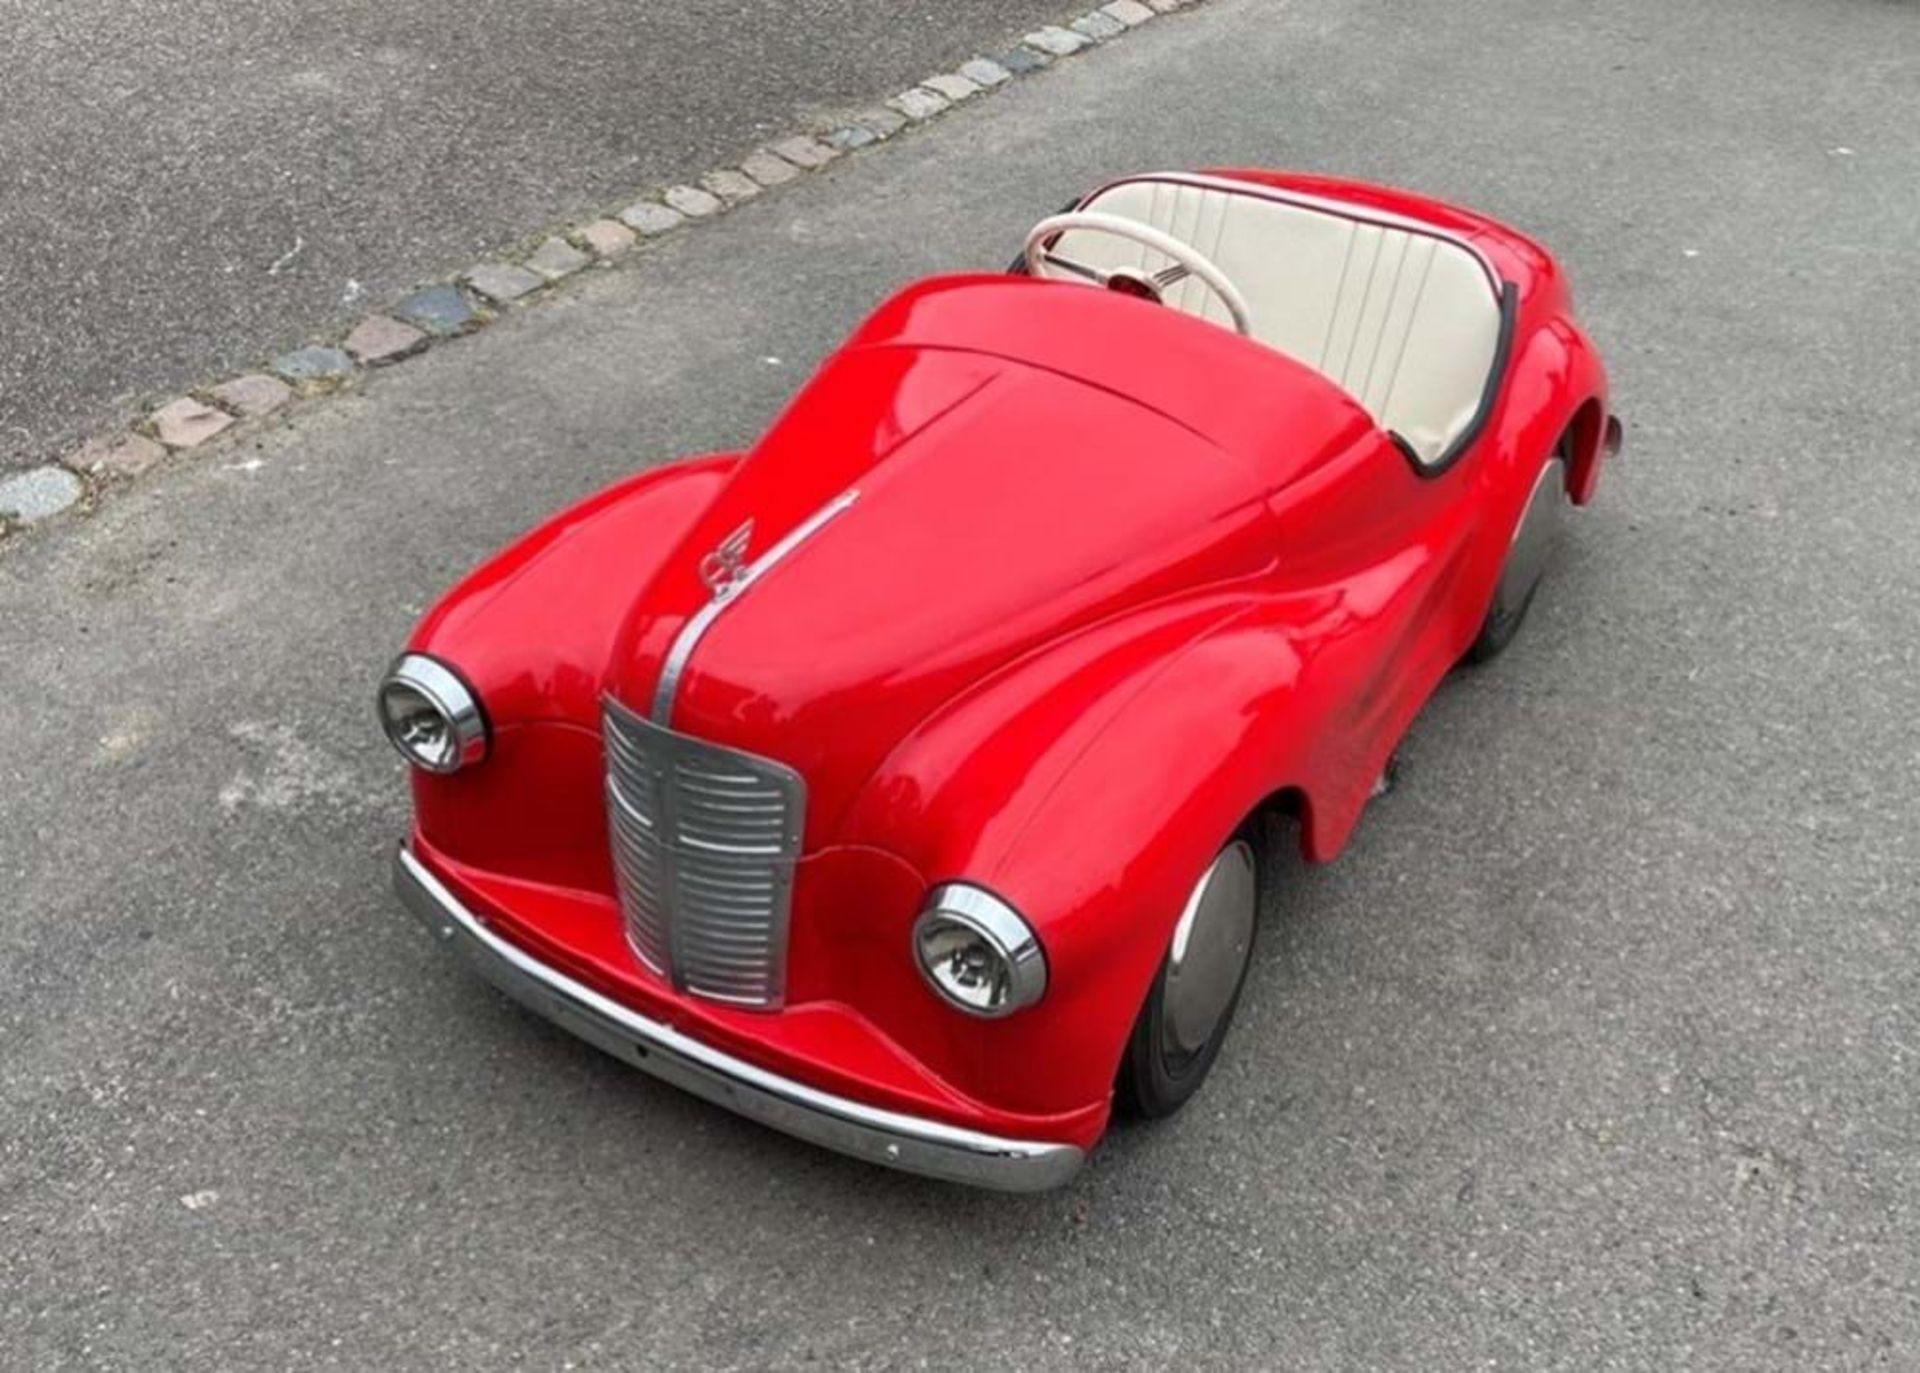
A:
(727, 571)
(723, 569)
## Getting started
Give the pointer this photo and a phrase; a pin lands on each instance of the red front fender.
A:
(1090, 787)
(1109, 860)
(531, 630)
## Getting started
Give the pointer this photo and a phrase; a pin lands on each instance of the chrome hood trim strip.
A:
(696, 628)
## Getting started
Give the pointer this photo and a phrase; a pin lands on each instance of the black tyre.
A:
(1187, 1014)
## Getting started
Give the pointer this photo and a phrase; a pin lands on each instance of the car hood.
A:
(982, 507)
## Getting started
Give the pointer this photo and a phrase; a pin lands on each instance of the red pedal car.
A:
(896, 782)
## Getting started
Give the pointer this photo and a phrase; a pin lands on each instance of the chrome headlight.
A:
(977, 952)
(431, 716)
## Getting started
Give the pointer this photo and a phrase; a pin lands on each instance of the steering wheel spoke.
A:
(1079, 269)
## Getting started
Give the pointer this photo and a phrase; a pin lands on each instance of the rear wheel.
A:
(1185, 1019)
(1527, 558)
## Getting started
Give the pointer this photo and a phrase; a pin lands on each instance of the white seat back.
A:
(1405, 319)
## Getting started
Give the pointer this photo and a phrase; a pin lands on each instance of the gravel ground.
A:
(1597, 1049)
(192, 186)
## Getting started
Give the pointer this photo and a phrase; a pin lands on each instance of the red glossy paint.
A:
(1116, 578)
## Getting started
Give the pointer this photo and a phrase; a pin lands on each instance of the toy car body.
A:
(890, 783)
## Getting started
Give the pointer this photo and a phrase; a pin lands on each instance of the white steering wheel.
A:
(1187, 261)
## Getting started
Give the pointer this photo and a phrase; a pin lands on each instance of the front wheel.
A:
(1527, 556)
(1184, 1021)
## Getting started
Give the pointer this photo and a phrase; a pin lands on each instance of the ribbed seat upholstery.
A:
(1405, 320)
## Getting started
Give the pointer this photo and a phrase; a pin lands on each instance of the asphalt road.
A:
(191, 187)
(1597, 1049)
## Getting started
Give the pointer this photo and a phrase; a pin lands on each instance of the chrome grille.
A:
(704, 843)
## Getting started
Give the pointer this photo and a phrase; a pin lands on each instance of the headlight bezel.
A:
(994, 925)
(463, 719)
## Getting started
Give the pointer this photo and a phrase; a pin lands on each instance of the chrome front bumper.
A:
(866, 1132)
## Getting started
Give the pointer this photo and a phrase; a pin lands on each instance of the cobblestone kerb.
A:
(436, 313)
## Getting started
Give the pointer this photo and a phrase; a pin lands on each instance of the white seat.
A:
(1404, 318)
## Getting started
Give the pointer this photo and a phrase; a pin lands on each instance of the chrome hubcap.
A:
(1210, 947)
(1532, 542)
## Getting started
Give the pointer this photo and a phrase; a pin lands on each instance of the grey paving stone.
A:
(1021, 61)
(952, 85)
(378, 341)
(852, 137)
(1167, 6)
(884, 123)
(730, 184)
(985, 72)
(187, 423)
(503, 281)
(919, 103)
(557, 258)
(314, 365)
(607, 237)
(440, 310)
(122, 455)
(1056, 41)
(253, 395)
(650, 217)
(804, 151)
(1129, 12)
(767, 169)
(39, 492)
(692, 202)
(1097, 26)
